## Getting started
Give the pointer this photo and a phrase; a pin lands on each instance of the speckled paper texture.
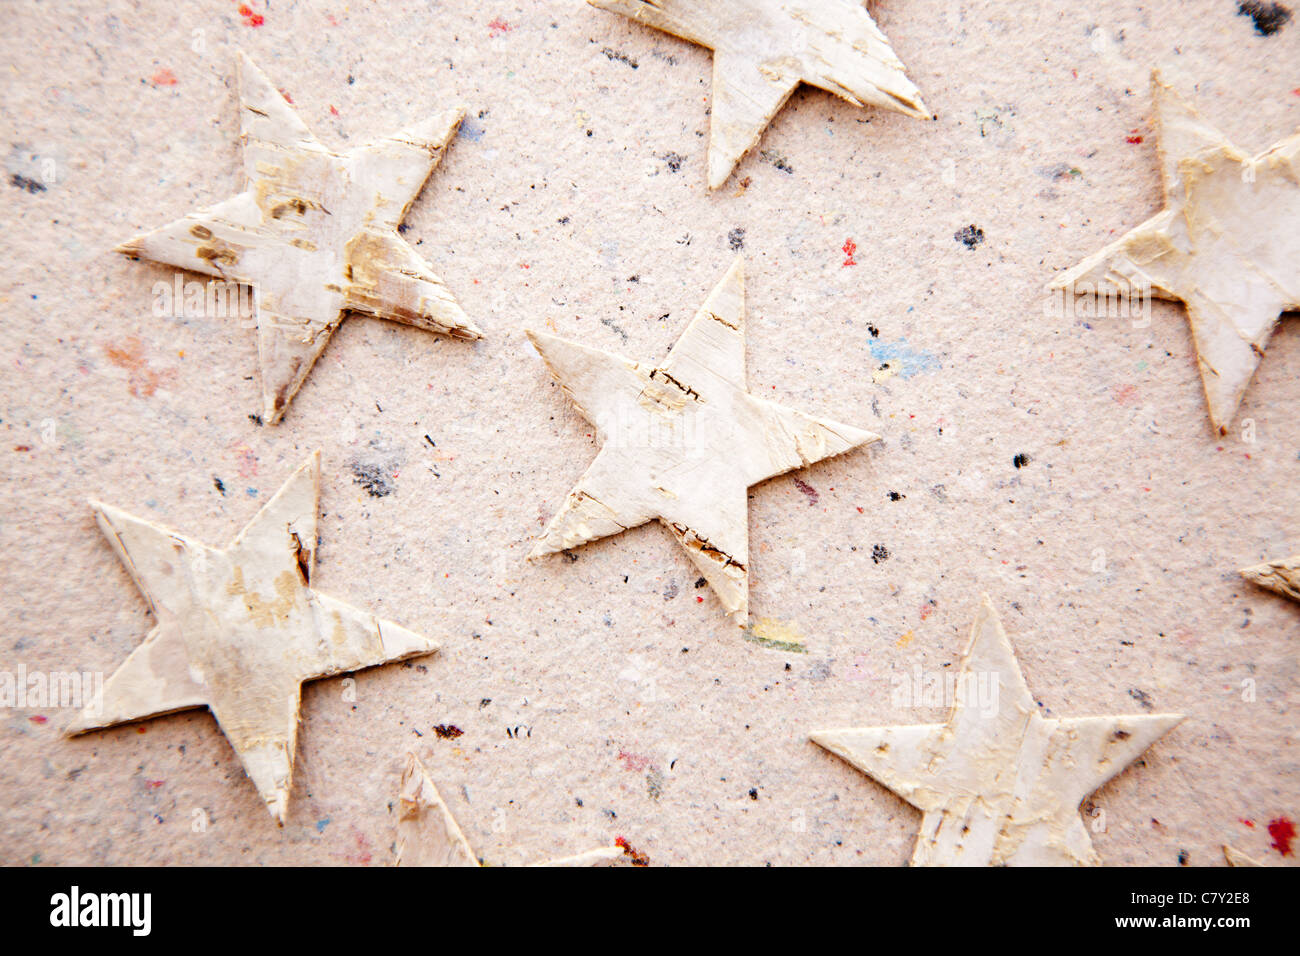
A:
(895, 268)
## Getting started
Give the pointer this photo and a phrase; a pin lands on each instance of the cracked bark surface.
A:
(998, 784)
(682, 443)
(315, 234)
(763, 49)
(1226, 244)
(1282, 576)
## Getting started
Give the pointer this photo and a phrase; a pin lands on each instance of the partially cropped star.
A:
(1235, 857)
(998, 784)
(763, 49)
(1227, 244)
(238, 631)
(315, 233)
(428, 835)
(1282, 576)
(682, 442)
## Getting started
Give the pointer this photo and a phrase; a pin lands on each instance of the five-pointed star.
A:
(239, 630)
(1227, 244)
(682, 442)
(998, 783)
(763, 49)
(428, 835)
(315, 233)
(1282, 576)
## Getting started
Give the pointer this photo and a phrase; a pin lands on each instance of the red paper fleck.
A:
(251, 19)
(1133, 138)
(498, 27)
(808, 490)
(363, 854)
(164, 77)
(39, 719)
(287, 98)
(634, 763)
(1282, 831)
(848, 249)
(1125, 394)
(154, 784)
(333, 110)
(1249, 823)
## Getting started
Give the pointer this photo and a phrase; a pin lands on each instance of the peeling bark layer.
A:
(1282, 576)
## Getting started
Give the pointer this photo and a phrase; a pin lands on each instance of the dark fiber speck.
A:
(969, 236)
(372, 478)
(1268, 17)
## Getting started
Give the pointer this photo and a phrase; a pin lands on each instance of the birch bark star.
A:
(682, 442)
(998, 784)
(428, 834)
(315, 233)
(763, 49)
(239, 630)
(1226, 244)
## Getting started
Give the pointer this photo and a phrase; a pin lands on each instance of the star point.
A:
(1281, 576)
(760, 58)
(428, 834)
(682, 442)
(1226, 244)
(315, 233)
(238, 630)
(997, 783)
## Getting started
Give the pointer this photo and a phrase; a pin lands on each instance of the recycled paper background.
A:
(603, 694)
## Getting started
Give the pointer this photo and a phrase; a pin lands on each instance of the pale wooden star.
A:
(239, 630)
(998, 783)
(682, 442)
(315, 233)
(1282, 576)
(763, 49)
(428, 835)
(1227, 244)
